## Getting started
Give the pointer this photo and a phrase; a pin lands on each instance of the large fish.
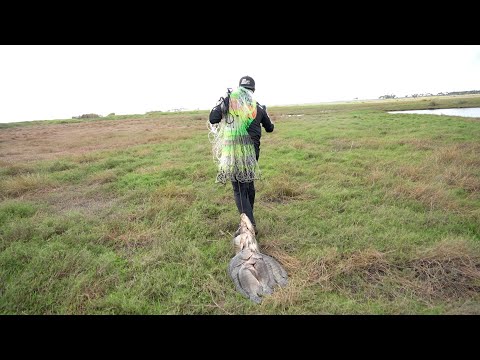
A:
(253, 273)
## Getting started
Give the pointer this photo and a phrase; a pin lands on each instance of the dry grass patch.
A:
(343, 144)
(419, 144)
(294, 171)
(284, 189)
(465, 154)
(411, 172)
(126, 234)
(370, 264)
(87, 158)
(13, 169)
(372, 144)
(462, 178)
(447, 155)
(52, 141)
(291, 264)
(131, 238)
(172, 135)
(299, 144)
(90, 201)
(430, 196)
(20, 184)
(458, 166)
(154, 169)
(447, 272)
(169, 202)
(103, 177)
(143, 152)
(448, 168)
(376, 175)
(173, 191)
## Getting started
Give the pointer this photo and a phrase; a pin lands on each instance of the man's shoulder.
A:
(222, 103)
(262, 107)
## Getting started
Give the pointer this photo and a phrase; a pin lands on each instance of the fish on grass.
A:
(253, 273)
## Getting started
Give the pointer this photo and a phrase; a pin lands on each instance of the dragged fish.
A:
(253, 273)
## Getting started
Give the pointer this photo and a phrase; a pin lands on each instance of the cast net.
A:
(233, 149)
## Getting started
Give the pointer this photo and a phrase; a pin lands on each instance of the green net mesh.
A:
(233, 149)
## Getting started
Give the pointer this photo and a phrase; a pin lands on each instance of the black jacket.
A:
(255, 128)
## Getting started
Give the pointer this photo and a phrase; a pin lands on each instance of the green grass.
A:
(369, 212)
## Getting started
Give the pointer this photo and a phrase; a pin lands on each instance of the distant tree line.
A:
(392, 96)
(87, 116)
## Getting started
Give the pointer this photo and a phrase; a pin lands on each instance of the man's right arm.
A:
(215, 115)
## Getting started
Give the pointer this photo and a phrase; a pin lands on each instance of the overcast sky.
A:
(42, 82)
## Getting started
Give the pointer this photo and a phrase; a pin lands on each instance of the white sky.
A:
(42, 82)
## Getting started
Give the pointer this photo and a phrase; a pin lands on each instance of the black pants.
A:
(244, 198)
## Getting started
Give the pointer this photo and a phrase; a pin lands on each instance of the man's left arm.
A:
(266, 121)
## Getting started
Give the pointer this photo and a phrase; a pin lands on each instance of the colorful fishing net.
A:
(233, 149)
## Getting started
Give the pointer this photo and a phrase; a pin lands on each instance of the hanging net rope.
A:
(232, 147)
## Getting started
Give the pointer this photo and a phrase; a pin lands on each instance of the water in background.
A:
(465, 112)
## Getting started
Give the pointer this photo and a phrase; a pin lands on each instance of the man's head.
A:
(247, 82)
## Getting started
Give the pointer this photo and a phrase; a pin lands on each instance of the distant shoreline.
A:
(184, 110)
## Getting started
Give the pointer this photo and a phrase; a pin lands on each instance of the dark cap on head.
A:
(247, 82)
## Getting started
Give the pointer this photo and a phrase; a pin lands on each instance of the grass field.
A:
(369, 213)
